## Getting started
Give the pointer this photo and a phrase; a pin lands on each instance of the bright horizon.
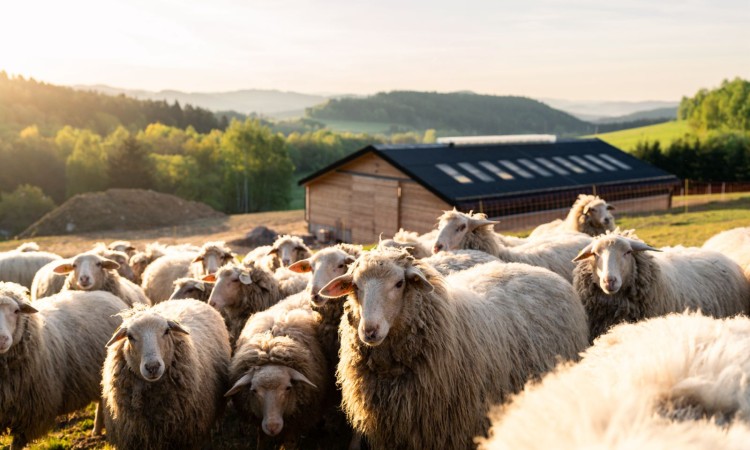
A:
(577, 50)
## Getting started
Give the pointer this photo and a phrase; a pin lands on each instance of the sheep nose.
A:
(371, 333)
(153, 368)
(4, 342)
(285, 261)
(437, 248)
(84, 280)
(274, 428)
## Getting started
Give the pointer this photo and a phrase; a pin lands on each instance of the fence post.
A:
(723, 188)
(687, 194)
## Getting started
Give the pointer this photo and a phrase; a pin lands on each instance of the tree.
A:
(86, 167)
(22, 207)
(130, 167)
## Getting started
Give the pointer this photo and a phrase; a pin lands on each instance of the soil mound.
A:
(118, 209)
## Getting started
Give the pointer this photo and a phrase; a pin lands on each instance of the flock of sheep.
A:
(579, 336)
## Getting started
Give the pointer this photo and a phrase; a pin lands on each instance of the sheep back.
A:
(159, 276)
(20, 267)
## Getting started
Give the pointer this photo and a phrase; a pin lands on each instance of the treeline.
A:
(725, 108)
(461, 113)
(27, 102)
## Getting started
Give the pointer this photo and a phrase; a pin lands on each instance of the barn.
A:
(382, 188)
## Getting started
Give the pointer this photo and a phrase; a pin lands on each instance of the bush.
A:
(21, 208)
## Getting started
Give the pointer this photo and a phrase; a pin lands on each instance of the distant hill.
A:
(270, 103)
(663, 114)
(665, 133)
(459, 112)
(25, 102)
(596, 110)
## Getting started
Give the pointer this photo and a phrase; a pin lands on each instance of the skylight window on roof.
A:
(516, 168)
(585, 163)
(476, 172)
(451, 172)
(534, 167)
(614, 161)
(552, 166)
(500, 173)
(602, 163)
(569, 165)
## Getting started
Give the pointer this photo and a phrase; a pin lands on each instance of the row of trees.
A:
(725, 108)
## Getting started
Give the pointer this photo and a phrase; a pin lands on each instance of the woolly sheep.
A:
(619, 279)
(191, 288)
(288, 250)
(260, 256)
(165, 375)
(448, 262)
(123, 246)
(211, 256)
(51, 356)
(20, 266)
(92, 272)
(458, 230)
(668, 382)
(119, 257)
(153, 251)
(160, 275)
(28, 247)
(239, 291)
(734, 244)
(423, 357)
(419, 246)
(279, 372)
(589, 215)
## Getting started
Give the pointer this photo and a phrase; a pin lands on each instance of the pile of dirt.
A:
(119, 209)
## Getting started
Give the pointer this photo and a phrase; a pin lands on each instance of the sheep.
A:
(191, 288)
(160, 275)
(140, 260)
(678, 381)
(458, 230)
(423, 357)
(734, 243)
(240, 291)
(121, 258)
(288, 250)
(419, 246)
(619, 280)
(211, 256)
(51, 356)
(260, 256)
(279, 372)
(448, 262)
(165, 375)
(589, 214)
(19, 266)
(28, 247)
(123, 246)
(92, 272)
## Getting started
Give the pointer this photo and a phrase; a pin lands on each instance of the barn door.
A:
(374, 207)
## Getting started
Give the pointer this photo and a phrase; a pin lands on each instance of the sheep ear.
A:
(211, 278)
(349, 260)
(176, 327)
(297, 376)
(241, 383)
(108, 264)
(585, 253)
(417, 278)
(586, 210)
(201, 287)
(338, 287)
(198, 258)
(26, 308)
(301, 266)
(63, 268)
(639, 246)
(610, 208)
(245, 278)
(273, 251)
(476, 223)
(129, 248)
(118, 336)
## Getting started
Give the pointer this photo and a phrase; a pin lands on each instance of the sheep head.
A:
(453, 227)
(612, 260)
(325, 265)
(289, 250)
(149, 343)
(190, 288)
(14, 302)
(272, 394)
(597, 214)
(87, 271)
(377, 286)
(122, 246)
(231, 281)
(214, 255)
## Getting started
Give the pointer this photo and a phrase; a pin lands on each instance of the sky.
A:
(572, 49)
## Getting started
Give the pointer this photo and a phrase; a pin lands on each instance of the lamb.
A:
(211, 256)
(410, 337)
(734, 243)
(619, 280)
(448, 262)
(279, 372)
(160, 275)
(92, 272)
(589, 214)
(123, 246)
(165, 375)
(51, 356)
(239, 291)
(677, 381)
(288, 250)
(458, 230)
(191, 288)
(19, 266)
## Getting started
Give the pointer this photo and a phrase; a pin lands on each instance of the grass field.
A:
(664, 132)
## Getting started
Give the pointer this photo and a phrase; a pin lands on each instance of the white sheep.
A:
(92, 272)
(455, 261)
(678, 381)
(19, 266)
(288, 250)
(159, 277)
(458, 230)
(589, 214)
(211, 256)
(192, 288)
(423, 357)
(165, 376)
(51, 354)
(261, 256)
(123, 246)
(28, 247)
(735, 244)
(419, 246)
(621, 279)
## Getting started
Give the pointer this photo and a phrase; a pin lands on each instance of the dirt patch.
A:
(119, 209)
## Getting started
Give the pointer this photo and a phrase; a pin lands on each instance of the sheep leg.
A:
(98, 419)
(356, 442)
(19, 442)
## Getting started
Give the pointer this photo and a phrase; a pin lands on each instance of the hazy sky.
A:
(575, 49)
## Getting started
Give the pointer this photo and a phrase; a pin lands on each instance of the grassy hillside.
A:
(663, 132)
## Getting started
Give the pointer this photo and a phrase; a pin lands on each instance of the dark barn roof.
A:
(468, 172)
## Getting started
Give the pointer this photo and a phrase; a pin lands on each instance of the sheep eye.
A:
(462, 227)
(98, 264)
(629, 252)
(18, 311)
(289, 388)
(400, 284)
(130, 337)
(341, 266)
(166, 332)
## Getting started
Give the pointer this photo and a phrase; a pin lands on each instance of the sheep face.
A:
(377, 287)
(122, 246)
(88, 271)
(612, 259)
(272, 394)
(149, 345)
(125, 270)
(289, 250)
(189, 288)
(228, 288)
(11, 310)
(212, 258)
(138, 263)
(325, 265)
(454, 226)
(599, 216)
